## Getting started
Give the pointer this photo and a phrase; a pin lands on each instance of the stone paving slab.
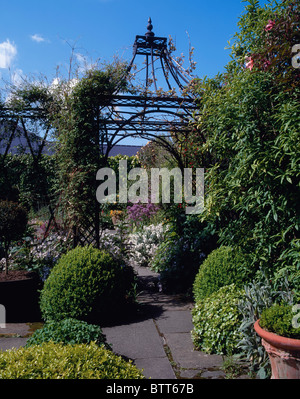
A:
(156, 368)
(141, 343)
(16, 329)
(9, 343)
(183, 353)
(172, 321)
(135, 340)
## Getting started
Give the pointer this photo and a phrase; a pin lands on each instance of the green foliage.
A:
(13, 222)
(278, 319)
(67, 331)
(80, 139)
(259, 295)
(186, 244)
(223, 266)
(59, 361)
(31, 183)
(216, 321)
(267, 35)
(248, 132)
(155, 155)
(85, 284)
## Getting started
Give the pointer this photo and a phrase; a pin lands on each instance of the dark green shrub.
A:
(186, 244)
(13, 222)
(85, 284)
(223, 266)
(278, 319)
(67, 331)
(59, 361)
(216, 321)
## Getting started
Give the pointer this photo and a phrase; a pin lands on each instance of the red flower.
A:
(270, 25)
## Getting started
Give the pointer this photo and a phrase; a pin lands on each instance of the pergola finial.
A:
(149, 32)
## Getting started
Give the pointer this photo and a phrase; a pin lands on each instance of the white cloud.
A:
(37, 38)
(8, 52)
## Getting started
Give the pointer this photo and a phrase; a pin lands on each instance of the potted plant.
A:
(280, 334)
(18, 288)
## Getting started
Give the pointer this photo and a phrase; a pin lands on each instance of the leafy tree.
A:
(80, 139)
(248, 135)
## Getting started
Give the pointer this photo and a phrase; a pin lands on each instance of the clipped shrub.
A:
(67, 331)
(216, 321)
(85, 284)
(223, 266)
(59, 361)
(278, 319)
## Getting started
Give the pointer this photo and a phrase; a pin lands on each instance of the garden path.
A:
(157, 338)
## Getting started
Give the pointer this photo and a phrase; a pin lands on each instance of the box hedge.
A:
(59, 361)
(223, 266)
(86, 284)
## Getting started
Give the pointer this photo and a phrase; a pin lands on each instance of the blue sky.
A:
(36, 37)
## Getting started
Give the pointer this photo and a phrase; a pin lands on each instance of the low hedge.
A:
(59, 361)
(68, 331)
(86, 284)
(223, 266)
(216, 321)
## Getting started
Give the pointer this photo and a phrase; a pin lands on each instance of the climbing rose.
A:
(270, 25)
(249, 63)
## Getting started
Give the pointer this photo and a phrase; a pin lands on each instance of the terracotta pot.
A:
(284, 354)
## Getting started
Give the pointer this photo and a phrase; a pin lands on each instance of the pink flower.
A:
(270, 25)
(249, 63)
(266, 64)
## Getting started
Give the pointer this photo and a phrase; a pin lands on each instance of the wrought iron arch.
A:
(126, 110)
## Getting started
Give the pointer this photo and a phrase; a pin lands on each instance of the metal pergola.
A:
(157, 114)
(152, 114)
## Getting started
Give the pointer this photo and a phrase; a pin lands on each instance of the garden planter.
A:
(20, 295)
(284, 354)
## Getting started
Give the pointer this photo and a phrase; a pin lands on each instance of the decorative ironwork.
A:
(153, 112)
(152, 115)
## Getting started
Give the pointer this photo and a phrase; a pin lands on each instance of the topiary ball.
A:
(223, 266)
(85, 284)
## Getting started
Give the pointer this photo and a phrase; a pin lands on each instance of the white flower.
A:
(145, 243)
